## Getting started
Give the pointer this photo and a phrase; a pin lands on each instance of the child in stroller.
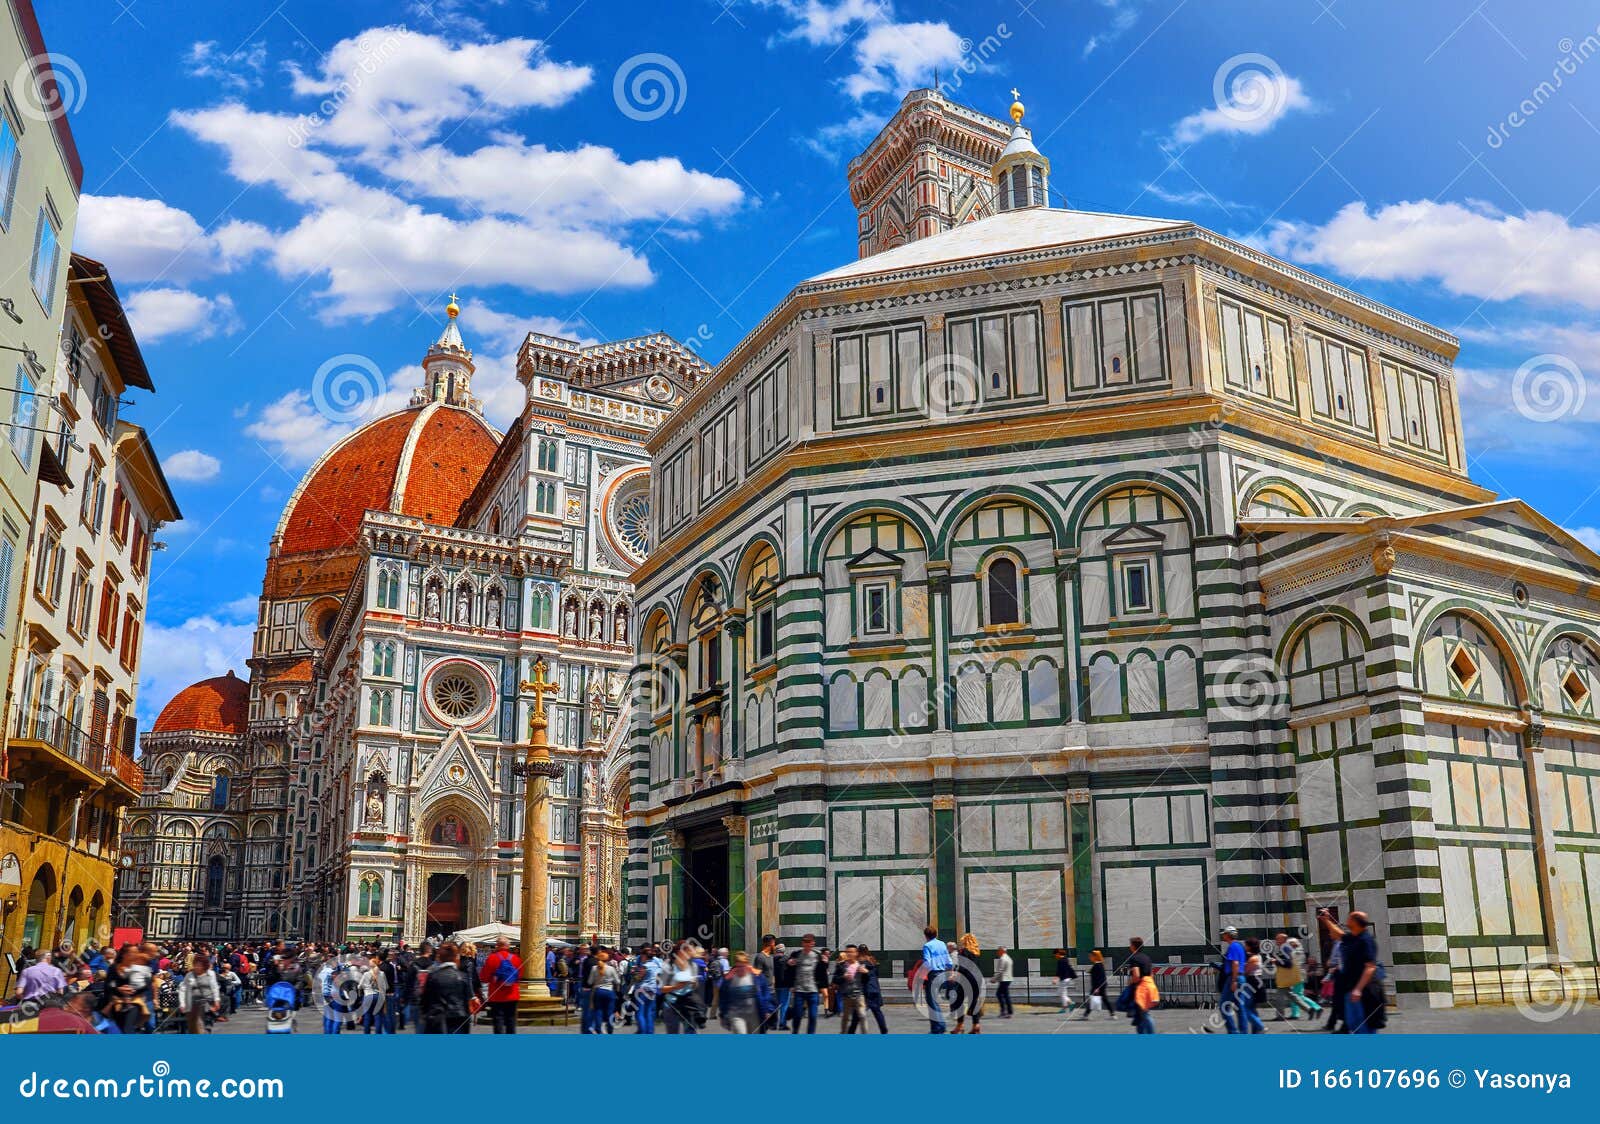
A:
(281, 999)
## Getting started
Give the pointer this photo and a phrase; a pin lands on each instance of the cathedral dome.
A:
(211, 706)
(423, 461)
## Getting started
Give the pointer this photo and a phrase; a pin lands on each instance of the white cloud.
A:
(147, 240)
(1253, 95)
(391, 86)
(1471, 249)
(191, 466)
(891, 56)
(238, 70)
(161, 312)
(1124, 14)
(174, 656)
(895, 57)
(389, 210)
(246, 607)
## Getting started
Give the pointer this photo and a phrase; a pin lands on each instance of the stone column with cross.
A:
(536, 769)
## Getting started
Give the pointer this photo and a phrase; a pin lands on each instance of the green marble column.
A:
(737, 909)
(675, 885)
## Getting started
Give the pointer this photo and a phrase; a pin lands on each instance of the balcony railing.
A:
(47, 725)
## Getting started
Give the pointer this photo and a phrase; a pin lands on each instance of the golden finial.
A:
(1017, 109)
(452, 309)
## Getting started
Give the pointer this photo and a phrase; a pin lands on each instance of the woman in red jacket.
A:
(503, 973)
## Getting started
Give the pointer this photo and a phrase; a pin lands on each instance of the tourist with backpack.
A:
(502, 973)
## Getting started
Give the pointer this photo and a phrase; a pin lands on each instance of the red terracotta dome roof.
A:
(214, 706)
(423, 461)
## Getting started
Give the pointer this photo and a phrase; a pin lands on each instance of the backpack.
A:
(505, 973)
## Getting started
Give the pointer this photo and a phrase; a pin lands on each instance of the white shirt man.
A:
(1002, 980)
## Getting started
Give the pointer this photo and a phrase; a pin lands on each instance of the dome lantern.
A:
(1022, 174)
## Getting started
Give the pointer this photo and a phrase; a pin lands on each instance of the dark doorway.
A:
(447, 904)
(705, 896)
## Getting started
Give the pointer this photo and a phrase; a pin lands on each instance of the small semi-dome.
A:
(211, 706)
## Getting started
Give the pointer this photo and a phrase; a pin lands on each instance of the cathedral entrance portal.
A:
(447, 904)
(705, 893)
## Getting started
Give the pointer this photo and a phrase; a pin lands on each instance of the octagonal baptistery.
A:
(1057, 576)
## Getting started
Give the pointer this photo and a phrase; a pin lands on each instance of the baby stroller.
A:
(280, 1000)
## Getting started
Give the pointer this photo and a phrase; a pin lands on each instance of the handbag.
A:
(1096, 1003)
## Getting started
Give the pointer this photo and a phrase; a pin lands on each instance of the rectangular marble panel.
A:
(977, 828)
(989, 907)
(1150, 821)
(1180, 905)
(1094, 579)
(1357, 787)
(964, 607)
(1365, 857)
(1527, 914)
(1491, 802)
(1455, 872)
(1144, 690)
(880, 831)
(1517, 805)
(847, 833)
(914, 611)
(1464, 787)
(905, 909)
(769, 901)
(876, 703)
(837, 615)
(1011, 827)
(1042, 601)
(859, 916)
(1189, 818)
(1129, 905)
(1049, 826)
(1324, 859)
(1489, 873)
(1113, 824)
(1039, 909)
(1581, 819)
(914, 831)
(1317, 803)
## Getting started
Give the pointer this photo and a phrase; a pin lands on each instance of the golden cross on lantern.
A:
(540, 685)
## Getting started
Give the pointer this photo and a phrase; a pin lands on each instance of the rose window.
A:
(456, 696)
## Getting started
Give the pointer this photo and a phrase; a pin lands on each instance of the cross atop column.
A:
(541, 684)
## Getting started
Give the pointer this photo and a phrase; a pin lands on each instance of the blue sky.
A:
(276, 186)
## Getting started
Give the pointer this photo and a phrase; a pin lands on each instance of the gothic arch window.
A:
(383, 653)
(494, 521)
(219, 790)
(388, 587)
(542, 614)
(370, 903)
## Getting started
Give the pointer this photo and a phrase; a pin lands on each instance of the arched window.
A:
(371, 895)
(219, 790)
(214, 888)
(1004, 600)
(383, 658)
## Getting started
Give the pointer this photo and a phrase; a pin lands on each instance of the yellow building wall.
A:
(66, 915)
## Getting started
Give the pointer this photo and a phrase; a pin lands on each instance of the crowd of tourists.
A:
(681, 987)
